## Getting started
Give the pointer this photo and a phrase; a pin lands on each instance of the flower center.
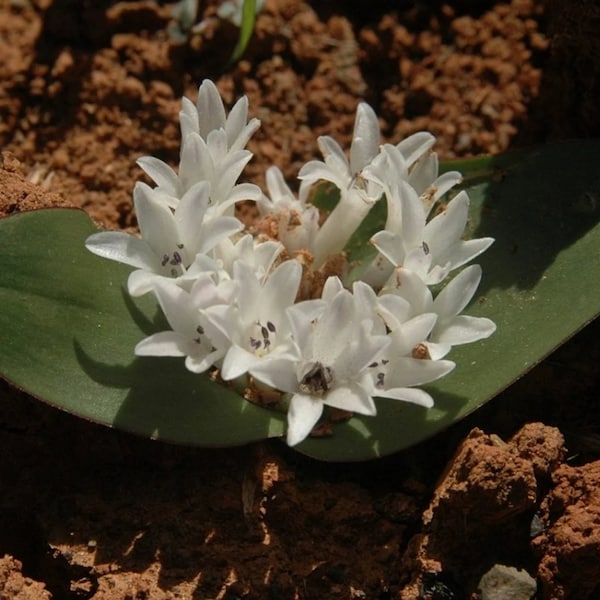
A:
(262, 337)
(174, 262)
(317, 381)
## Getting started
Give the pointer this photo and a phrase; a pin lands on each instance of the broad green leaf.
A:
(68, 327)
(67, 332)
(541, 284)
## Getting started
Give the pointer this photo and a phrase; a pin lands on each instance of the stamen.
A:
(421, 352)
(317, 381)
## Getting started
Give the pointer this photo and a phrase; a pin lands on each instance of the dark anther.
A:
(317, 381)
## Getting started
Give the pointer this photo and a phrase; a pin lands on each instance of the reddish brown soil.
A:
(89, 513)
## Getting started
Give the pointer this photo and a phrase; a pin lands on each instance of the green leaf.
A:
(248, 20)
(67, 332)
(68, 327)
(541, 284)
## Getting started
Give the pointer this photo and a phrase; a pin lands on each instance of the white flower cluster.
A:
(238, 302)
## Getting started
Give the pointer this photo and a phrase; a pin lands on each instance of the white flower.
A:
(419, 169)
(259, 256)
(204, 161)
(431, 249)
(257, 326)
(169, 240)
(398, 370)
(191, 335)
(297, 222)
(451, 328)
(357, 194)
(332, 368)
(208, 115)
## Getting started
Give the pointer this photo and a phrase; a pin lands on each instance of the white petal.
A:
(332, 286)
(123, 247)
(410, 286)
(414, 146)
(223, 319)
(196, 162)
(237, 362)
(424, 172)
(216, 141)
(446, 182)
(446, 229)
(156, 221)
(229, 171)
(334, 329)
(411, 333)
(316, 170)
(216, 230)
(404, 372)
(463, 252)
(303, 414)
(437, 351)
(387, 168)
(279, 190)
(164, 343)
(464, 329)
(334, 156)
(238, 131)
(360, 353)
(301, 317)
(177, 307)
(161, 173)
(458, 293)
(242, 191)
(141, 282)
(413, 215)
(236, 120)
(365, 140)
(351, 397)
(390, 245)
(211, 112)
(278, 373)
(200, 363)
(281, 287)
(190, 214)
(188, 118)
(412, 395)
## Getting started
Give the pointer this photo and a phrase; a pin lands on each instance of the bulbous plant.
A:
(282, 316)
(326, 318)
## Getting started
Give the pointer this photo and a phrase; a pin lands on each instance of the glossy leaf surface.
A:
(68, 327)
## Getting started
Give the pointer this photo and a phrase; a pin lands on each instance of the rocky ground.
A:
(90, 513)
